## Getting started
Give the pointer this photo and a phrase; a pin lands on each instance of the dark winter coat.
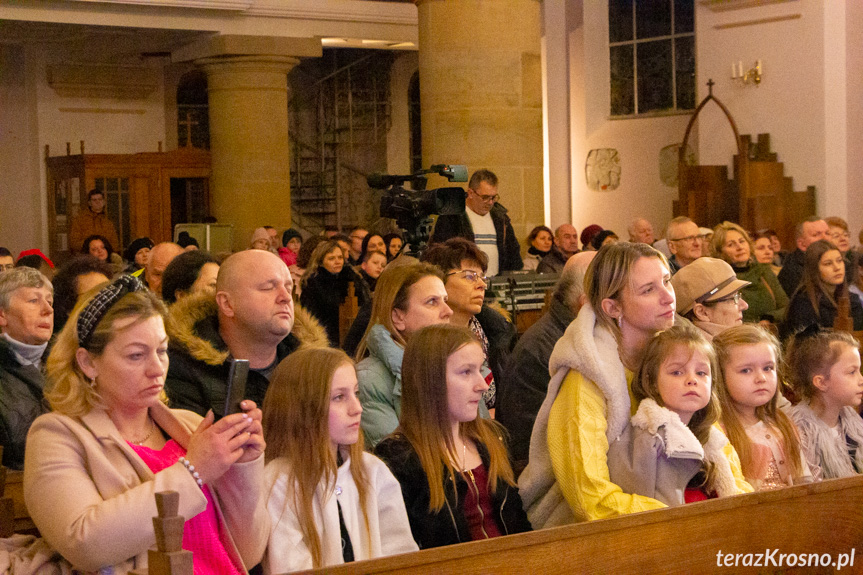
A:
(552, 263)
(323, 293)
(801, 314)
(200, 361)
(449, 525)
(509, 251)
(21, 401)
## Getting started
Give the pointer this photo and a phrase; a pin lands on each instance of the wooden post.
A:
(7, 507)
(348, 312)
(169, 557)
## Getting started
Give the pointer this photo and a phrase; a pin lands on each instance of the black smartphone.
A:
(236, 391)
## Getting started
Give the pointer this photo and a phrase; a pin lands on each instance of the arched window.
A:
(193, 119)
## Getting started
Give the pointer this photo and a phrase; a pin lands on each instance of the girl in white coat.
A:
(329, 502)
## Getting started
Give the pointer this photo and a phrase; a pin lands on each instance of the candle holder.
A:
(752, 75)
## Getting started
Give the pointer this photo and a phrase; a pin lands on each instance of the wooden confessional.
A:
(759, 196)
(146, 193)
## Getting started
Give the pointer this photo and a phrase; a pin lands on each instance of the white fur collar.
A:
(679, 440)
(592, 350)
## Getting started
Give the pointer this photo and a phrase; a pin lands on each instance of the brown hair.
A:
(70, 392)
(769, 413)
(811, 284)
(645, 383)
(425, 420)
(811, 354)
(295, 423)
(392, 292)
(450, 254)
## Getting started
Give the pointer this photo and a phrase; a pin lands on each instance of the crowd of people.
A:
(655, 378)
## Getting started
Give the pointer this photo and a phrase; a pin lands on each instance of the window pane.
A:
(684, 16)
(622, 92)
(619, 20)
(652, 18)
(684, 54)
(654, 76)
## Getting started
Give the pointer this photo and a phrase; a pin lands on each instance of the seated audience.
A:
(807, 232)
(709, 295)
(189, 273)
(94, 464)
(837, 233)
(587, 236)
(821, 286)
(630, 299)
(762, 248)
(764, 295)
(312, 415)
(273, 234)
(603, 238)
(187, 242)
(452, 465)
(26, 323)
(371, 269)
(325, 287)
(78, 276)
(137, 254)
(671, 451)
(251, 316)
(394, 244)
(762, 434)
(260, 240)
(565, 245)
(824, 368)
(373, 242)
(292, 241)
(527, 375)
(160, 256)
(37, 260)
(706, 239)
(407, 299)
(684, 242)
(857, 286)
(357, 236)
(464, 266)
(99, 247)
(7, 262)
(779, 254)
(539, 242)
(641, 231)
(298, 270)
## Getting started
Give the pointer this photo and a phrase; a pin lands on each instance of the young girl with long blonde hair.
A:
(453, 466)
(824, 368)
(671, 450)
(329, 502)
(763, 436)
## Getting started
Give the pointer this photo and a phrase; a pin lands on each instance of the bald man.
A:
(160, 256)
(641, 231)
(251, 316)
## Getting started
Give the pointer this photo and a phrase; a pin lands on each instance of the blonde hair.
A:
(425, 419)
(720, 233)
(318, 255)
(646, 382)
(610, 272)
(70, 391)
(769, 413)
(295, 423)
(392, 292)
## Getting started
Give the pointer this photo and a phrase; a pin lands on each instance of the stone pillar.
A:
(250, 182)
(481, 96)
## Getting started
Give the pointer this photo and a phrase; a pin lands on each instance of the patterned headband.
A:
(94, 311)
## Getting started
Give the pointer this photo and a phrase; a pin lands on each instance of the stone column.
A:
(481, 96)
(250, 183)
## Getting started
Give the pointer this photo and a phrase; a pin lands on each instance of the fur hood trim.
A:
(188, 312)
(592, 350)
(496, 306)
(681, 443)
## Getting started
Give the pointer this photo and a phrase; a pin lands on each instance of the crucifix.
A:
(188, 123)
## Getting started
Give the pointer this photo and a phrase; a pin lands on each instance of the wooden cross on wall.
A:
(188, 123)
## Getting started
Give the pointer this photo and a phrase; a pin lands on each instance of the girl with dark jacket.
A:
(325, 287)
(453, 466)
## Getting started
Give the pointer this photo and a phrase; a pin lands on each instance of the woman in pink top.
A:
(92, 466)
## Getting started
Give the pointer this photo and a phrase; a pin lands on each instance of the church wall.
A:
(398, 137)
(789, 104)
(21, 221)
(854, 96)
(638, 141)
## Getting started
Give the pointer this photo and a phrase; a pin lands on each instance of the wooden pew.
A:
(14, 489)
(822, 518)
(348, 311)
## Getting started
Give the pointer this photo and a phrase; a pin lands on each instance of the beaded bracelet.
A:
(191, 469)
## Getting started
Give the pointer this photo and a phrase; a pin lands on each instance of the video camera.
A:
(411, 209)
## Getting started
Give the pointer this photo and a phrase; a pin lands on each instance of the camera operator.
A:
(484, 222)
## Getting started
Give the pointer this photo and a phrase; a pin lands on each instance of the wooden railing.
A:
(821, 518)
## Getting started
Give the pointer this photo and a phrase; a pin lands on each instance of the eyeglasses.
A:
(487, 199)
(837, 235)
(690, 239)
(735, 298)
(471, 276)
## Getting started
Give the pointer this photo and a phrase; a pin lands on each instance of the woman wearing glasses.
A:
(464, 266)
(708, 295)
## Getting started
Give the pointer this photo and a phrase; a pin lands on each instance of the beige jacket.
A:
(92, 497)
